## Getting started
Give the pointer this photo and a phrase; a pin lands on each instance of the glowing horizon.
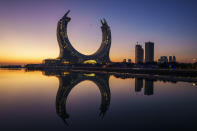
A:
(30, 37)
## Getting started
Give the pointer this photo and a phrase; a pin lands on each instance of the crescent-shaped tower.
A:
(70, 55)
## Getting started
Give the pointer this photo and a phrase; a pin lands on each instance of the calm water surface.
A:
(93, 101)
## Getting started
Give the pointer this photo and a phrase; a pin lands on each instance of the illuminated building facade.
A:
(70, 55)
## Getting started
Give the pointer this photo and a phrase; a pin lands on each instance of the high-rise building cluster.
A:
(164, 59)
(149, 53)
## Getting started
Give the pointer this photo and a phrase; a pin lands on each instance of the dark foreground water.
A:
(62, 101)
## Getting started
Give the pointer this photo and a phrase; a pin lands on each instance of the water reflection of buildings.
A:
(148, 88)
(138, 84)
(67, 81)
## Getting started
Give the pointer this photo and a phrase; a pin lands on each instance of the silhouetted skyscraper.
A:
(173, 59)
(170, 59)
(139, 54)
(149, 52)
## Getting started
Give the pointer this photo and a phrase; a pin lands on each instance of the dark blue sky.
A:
(171, 24)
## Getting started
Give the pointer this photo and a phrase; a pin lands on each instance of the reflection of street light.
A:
(194, 60)
(193, 84)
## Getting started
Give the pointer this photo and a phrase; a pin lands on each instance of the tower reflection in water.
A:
(149, 86)
(67, 81)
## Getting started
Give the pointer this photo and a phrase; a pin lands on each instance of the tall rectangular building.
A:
(149, 52)
(139, 54)
(170, 59)
(174, 58)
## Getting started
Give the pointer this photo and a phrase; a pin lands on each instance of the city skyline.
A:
(28, 28)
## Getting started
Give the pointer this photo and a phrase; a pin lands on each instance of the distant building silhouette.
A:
(139, 54)
(149, 52)
(129, 60)
(174, 59)
(170, 59)
(163, 59)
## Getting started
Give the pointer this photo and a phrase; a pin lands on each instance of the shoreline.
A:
(124, 73)
(152, 71)
(167, 78)
(128, 73)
